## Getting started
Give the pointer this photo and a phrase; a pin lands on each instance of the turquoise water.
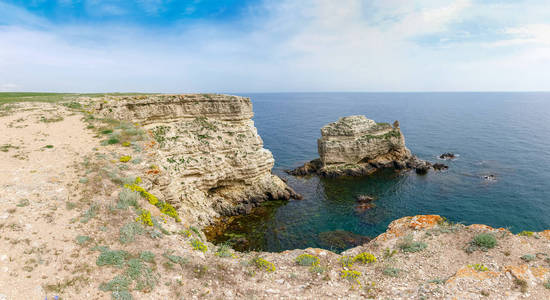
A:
(506, 134)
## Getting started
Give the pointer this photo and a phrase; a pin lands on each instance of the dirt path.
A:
(40, 145)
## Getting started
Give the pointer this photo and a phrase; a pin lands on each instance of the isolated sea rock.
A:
(357, 146)
(209, 153)
(447, 155)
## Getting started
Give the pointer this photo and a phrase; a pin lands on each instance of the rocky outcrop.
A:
(211, 158)
(357, 146)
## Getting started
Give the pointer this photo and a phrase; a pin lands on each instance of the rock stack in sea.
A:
(357, 146)
(211, 158)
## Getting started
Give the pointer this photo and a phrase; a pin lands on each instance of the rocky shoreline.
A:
(357, 146)
(86, 215)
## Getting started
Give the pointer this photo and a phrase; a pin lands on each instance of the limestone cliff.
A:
(211, 158)
(357, 146)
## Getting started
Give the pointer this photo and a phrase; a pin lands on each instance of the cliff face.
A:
(211, 158)
(356, 146)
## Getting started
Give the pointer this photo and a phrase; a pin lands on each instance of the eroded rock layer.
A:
(211, 158)
(357, 146)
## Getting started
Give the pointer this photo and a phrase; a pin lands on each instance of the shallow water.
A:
(506, 134)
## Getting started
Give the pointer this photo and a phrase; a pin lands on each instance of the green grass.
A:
(13, 97)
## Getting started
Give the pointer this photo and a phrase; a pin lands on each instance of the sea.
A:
(502, 134)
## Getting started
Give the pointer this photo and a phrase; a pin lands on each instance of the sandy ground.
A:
(35, 184)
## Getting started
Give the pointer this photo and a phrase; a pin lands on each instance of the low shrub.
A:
(437, 281)
(112, 141)
(89, 214)
(392, 272)
(521, 284)
(478, 267)
(129, 231)
(125, 158)
(351, 275)
(82, 239)
(164, 207)
(317, 269)
(224, 251)
(388, 253)
(483, 242)
(198, 245)
(145, 217)
(109, 257)
(409, 245)
(147, 256)
(307, 260)
(364, 258)
(346, 261)
(528, 257)
(526, 233)
(175, 258)
(263, 264)
(127, 198)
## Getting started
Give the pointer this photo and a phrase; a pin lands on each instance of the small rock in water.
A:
(440, 167)
(490, 177)
(422, 169)
(447, 155)
(364, 198)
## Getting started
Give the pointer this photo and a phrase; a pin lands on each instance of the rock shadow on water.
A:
(243, 232)
(340, 240)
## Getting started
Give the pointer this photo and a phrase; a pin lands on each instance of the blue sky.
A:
(274, 45)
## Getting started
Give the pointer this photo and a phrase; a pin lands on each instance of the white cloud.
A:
(307, 45)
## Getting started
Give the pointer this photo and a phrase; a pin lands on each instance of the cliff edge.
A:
(211, 159)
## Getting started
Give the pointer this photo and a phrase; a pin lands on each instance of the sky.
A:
(236, 46)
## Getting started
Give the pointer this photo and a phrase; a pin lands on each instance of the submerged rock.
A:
(357, 146)
(341, 239)
(363, 207)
